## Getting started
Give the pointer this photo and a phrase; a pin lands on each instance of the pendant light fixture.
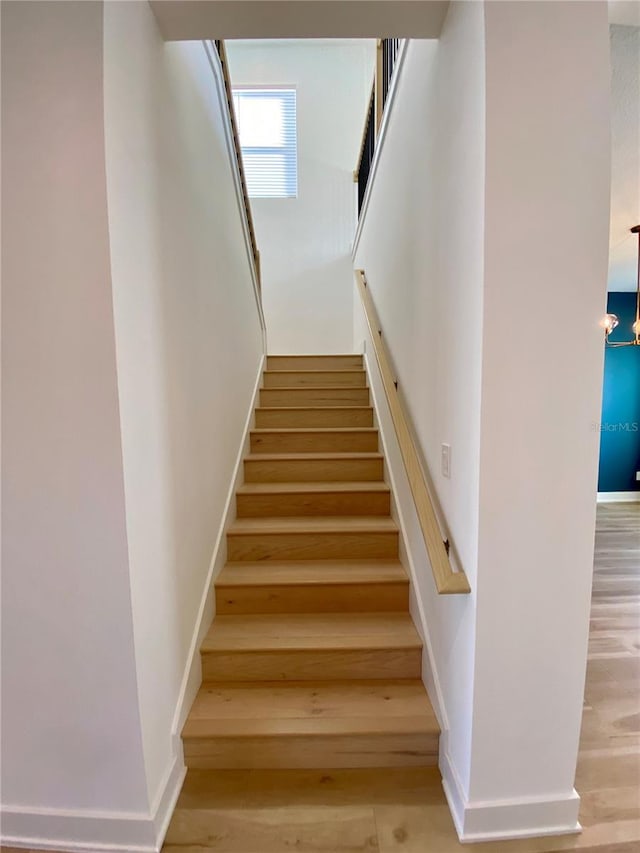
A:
(610, 321)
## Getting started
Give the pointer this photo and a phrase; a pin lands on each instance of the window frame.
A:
(289, 150)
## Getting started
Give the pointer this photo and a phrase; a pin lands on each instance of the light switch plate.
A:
(445, 459)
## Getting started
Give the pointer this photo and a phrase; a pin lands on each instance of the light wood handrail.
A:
(446, 579)
(222, 54)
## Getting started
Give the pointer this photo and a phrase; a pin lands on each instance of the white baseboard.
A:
(84, 831)
(618, 497)
(501, 820)
(89, 831)
(162, 809)
(192, 677)
(453, 789)
(81, 831)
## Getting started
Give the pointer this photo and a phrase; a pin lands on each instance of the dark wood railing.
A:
(389, 49)
(367, 147)
(386, 57)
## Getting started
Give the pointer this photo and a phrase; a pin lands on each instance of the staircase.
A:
(313, 660)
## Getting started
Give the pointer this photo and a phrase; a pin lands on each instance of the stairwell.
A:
(313, 660)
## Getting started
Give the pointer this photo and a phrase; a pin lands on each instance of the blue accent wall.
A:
(620, 426)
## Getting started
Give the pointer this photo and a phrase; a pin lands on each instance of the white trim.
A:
(389, 439)
(618, 497)
(501, 820)
(192, 677)
(453, 789)
(81, 831)
(382, 133)
(88, 831)
(63, 846)
(521, 818)
(218, 76)
(168, 794)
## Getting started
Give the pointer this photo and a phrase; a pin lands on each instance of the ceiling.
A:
(626, 12)
(197, 19)
(237, 19)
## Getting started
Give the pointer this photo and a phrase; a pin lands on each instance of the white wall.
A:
(119, 439)
(70, 725)
(625, 156)
(489, 215)
(189, 341)
(422, 249)
(546, 221)
(305, 242)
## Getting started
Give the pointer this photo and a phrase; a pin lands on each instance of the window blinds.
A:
(268, 139)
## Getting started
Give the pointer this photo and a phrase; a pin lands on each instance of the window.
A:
(267, 128)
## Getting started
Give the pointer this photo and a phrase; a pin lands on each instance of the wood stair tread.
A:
(318, 416)
(269, 789)
(314, 466)
(330, 408)
(269, 457)
(313, 430)
(313, 524)
(315, 631)
(316, 387)
(320, 395)
(301, 377)
(274, 726)
(311, 708)
(311, 573)
(309, 486)
(316, 355)
(315, 370)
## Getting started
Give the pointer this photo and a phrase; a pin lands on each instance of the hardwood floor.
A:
(403, 810)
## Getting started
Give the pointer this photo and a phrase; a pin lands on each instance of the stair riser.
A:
(325, 598)
(319, 442)
(309, 665)
(312, 470)
(312, 397)
(408, 750)
(315, 379)
(327, 503)
(312, 546)
(314, 362)
(309, 418)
